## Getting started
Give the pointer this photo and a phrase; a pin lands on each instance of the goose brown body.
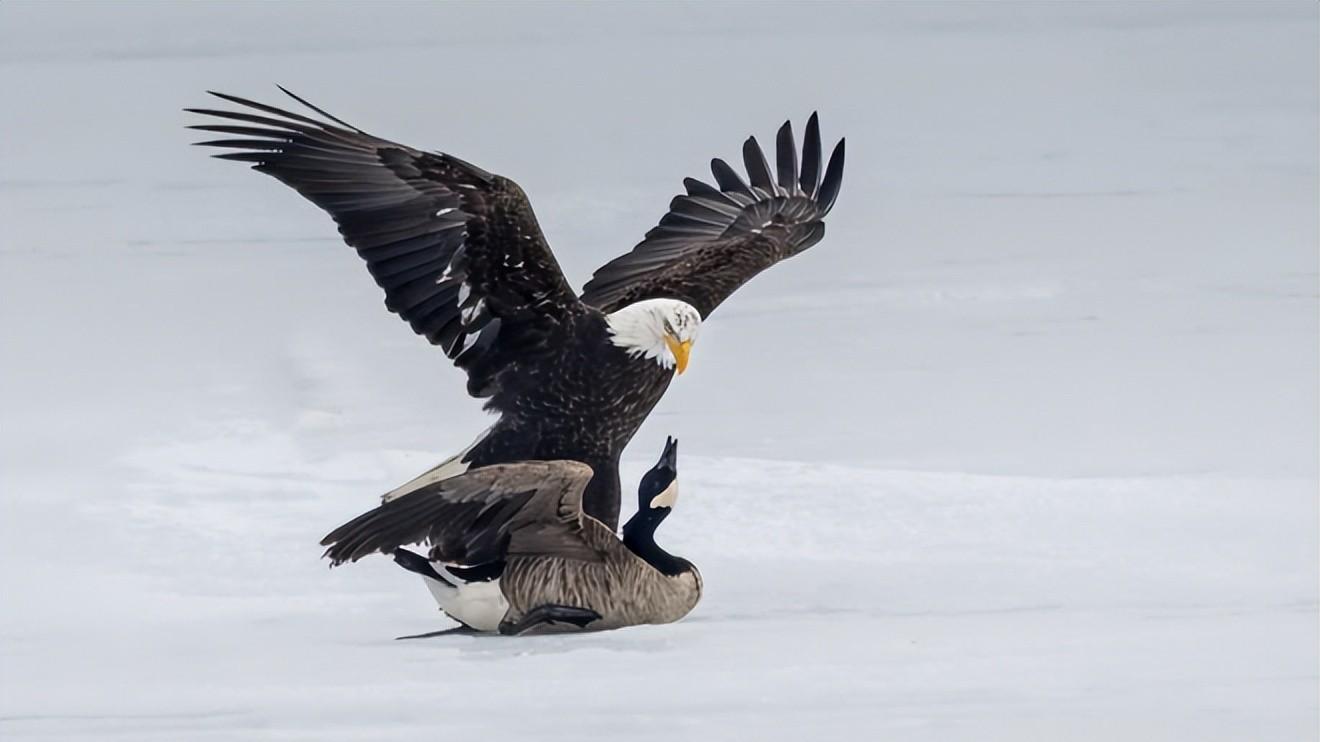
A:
(521, 526)
(623, 588)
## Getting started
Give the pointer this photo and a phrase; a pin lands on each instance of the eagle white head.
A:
(660, 329)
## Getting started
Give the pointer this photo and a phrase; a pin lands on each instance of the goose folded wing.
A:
(456, 249)
(484, 515)
(716, 238)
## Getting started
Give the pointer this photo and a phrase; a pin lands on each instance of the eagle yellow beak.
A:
(680, 351)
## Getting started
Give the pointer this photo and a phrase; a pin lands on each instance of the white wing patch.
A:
(450, 467)
(471, 312)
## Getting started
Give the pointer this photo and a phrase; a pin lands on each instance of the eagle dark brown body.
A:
(543, 416)
(461, 257)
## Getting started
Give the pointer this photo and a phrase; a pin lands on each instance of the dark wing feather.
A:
(457, 250)
(715, 239)
(496, 512)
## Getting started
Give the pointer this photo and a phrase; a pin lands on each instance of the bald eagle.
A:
(461, 258)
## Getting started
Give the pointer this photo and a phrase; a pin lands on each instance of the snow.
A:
(1025, 449)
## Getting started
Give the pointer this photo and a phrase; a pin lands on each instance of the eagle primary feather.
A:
(714, 240)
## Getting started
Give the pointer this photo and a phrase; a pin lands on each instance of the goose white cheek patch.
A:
(667, 498)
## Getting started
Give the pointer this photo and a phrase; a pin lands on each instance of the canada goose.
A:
(534, 562)
(461, 257)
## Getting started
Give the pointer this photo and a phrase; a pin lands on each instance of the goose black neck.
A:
(639, 537)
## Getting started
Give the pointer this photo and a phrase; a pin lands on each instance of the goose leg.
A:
(549, 614)
(456, 631)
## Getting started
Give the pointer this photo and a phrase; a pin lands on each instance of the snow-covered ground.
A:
(1026, 449)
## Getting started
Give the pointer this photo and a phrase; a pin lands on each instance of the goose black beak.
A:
(670, 457)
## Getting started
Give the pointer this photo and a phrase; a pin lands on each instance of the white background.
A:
(1025, 449)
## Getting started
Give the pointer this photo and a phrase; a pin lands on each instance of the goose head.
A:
(659, 487)
(657, 493)
(656, 496)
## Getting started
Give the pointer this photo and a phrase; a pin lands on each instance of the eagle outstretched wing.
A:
(457, 250)
(715, 239)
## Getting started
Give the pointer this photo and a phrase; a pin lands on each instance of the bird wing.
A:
(714, 239)
(495, 512)
(457, 250)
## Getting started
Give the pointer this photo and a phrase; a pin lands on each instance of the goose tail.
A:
(414, 562)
